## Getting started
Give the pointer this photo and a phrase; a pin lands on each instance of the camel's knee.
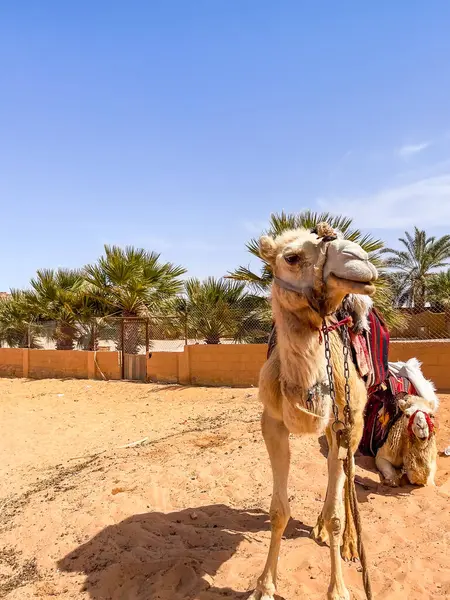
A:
(333, 518)
(333, 525)
(279, 515)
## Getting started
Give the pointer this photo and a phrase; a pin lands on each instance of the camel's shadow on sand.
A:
(173, 556)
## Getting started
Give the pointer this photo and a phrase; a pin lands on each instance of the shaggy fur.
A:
(412, 453)
(358, 307)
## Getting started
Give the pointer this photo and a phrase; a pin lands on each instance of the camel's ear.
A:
(403, 401)
(267, 248)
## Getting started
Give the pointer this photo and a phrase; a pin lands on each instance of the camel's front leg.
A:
(349, 549)
(276, 437)
(332, 516)
(390, 475)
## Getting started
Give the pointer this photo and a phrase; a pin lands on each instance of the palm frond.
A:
(419, 258)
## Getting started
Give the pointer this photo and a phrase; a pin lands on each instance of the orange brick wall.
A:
(109, 363)
(58, 363)
(11, 362)
(239, 365)
(233, 364)
(230, 365)
(163, 367)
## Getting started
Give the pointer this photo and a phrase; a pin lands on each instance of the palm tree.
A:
(281, 222)
(438, 287)
(132, 282)
(413, 265)
(18, 326)
(221, 309)
(438, 291)
(60, 296)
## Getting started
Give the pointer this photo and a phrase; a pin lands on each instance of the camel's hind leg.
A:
(276, 437)
(332, 516)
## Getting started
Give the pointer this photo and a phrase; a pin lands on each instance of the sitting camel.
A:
(313, 272)
(410, 447)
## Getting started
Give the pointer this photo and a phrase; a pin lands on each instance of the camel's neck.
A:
(302, 358)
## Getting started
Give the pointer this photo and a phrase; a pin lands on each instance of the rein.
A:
(304, 290)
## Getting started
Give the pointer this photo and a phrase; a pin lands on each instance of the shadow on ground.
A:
(173, 556)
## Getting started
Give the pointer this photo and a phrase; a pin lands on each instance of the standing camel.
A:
(313, 272)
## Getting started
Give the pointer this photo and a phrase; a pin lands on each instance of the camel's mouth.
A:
(356, 287)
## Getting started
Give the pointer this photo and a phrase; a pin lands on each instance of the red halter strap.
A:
(428, 420)
(347, 321)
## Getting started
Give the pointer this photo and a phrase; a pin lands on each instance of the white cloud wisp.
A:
(409, 150)
(425, 203)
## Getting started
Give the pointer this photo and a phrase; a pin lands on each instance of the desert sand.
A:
(183, 515)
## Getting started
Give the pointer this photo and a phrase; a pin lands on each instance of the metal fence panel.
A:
(249, 322)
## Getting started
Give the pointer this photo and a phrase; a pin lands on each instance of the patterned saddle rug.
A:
(382, 412)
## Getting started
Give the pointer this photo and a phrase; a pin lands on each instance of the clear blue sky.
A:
(181, 125)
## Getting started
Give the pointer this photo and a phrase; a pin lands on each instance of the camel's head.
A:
(298, 260)
(420, 415)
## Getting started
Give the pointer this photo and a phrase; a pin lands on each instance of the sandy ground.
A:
(184, 516)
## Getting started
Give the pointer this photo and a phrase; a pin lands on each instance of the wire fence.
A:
(216, 324)
(133, 335)
(422, 324)
(157, 333)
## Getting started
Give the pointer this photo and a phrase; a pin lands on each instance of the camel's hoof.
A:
(390, 482)
(338, 595)
(349, 551)
(257, 595)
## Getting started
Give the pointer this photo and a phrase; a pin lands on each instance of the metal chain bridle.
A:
(343, 431)
(326, 340)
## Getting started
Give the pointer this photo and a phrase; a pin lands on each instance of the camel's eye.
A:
(292, 259)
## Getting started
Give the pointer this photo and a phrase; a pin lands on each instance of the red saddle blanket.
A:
(381, 412)
(371, 351)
